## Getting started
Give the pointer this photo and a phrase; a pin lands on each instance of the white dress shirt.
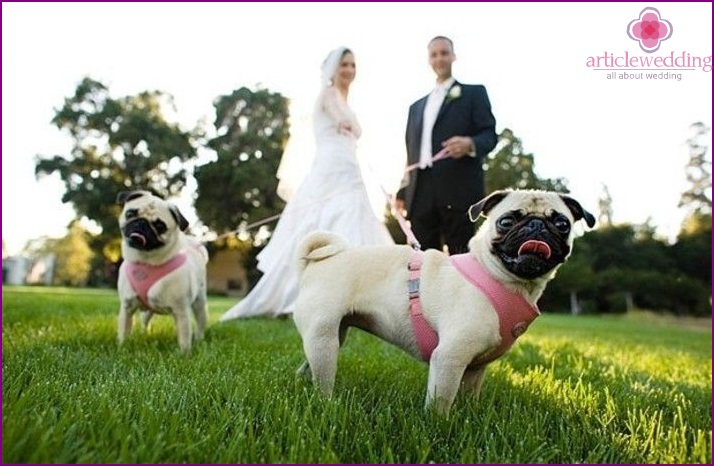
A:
(431, 110)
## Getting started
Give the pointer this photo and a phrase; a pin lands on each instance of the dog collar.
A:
(143, 276)
(514, 313)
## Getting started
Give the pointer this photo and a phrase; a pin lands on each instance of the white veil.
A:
(328, 70)
(299, 152)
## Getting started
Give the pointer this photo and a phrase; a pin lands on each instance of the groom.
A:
(456, 117)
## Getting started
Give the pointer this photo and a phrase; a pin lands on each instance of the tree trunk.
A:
(574, 305)
(629, 305)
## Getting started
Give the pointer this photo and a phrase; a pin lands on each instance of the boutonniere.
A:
(454, 93)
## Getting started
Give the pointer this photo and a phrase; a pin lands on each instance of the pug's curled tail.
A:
(320, 245)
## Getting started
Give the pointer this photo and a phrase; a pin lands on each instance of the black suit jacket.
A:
(459, 182)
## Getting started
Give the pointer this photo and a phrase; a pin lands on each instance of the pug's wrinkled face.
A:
(532, 244)
(531, 232)
(148, 222)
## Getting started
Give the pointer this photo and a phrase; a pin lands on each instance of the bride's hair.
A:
(331, 63)
(328, 70)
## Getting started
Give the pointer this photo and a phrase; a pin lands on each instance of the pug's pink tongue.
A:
(535, 247)
(137, 236)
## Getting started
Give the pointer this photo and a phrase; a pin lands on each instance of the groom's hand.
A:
(458, 146)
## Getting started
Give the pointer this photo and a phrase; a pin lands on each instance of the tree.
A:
(73, 256)
(693, 250)
(699, 173)
(574, 281)
(605, 208)
(626, 246)
(240, 187)
(118, 144)
(508, 166)
(615, 268)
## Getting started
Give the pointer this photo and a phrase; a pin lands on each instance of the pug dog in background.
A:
(164, 270)
(458, 313)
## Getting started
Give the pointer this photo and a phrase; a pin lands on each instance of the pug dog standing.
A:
(164, 270)
(458, 313)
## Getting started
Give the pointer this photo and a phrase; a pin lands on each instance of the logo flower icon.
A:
(454, 93)
(649, 29)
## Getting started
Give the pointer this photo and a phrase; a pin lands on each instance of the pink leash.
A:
(442, 154)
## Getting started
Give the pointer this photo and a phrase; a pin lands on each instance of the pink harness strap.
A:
(143, 276)
(515, 314)
(426, 337)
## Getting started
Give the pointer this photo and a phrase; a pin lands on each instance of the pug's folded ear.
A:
(180, 219)
(577, 210)
(486, 204)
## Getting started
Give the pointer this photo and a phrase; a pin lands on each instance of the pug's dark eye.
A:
(562, 224)
(160, 227)
(131, 213)
(506, 222)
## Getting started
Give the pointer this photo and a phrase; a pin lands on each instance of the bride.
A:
(331, 197)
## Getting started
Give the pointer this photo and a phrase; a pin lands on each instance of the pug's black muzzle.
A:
(141, 234)
(532, 248)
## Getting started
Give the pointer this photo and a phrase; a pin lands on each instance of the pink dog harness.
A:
(143, 276)
(515, 314)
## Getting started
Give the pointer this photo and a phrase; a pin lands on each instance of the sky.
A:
(626, 134)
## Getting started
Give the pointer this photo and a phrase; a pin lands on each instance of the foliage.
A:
(611, 265)
(605, 210)
(699, 172)
(572, 390)
(73, 256)
(673, 292)
(693, 250)
(508, 166)
(240, 187)
(118, 144)
(574, 281)
(626, 246)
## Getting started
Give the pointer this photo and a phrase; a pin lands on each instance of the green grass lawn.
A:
(628, 389)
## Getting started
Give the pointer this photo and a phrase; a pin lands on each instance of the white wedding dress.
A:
(332, 197)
